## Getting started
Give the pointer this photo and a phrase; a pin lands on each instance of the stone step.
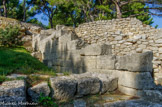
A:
(67, 87)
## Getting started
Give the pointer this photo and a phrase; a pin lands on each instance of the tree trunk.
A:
(118, 9)
(5, 8)
(0, 12)
(24, 6)
(91, 17)
(51, 23)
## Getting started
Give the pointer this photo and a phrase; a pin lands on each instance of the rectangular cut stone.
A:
(97, 49)
(130, 91)
(90, 62)
(64, 88)
(136, 62)
(135, 80)
(106, 62)
(87, 86)
(108, 83)
(13, 91)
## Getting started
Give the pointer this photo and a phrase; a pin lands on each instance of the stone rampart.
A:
(126, 36)
(121, 36)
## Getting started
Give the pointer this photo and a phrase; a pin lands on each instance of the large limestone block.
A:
(130, 91)
(97, 49)
(106, 62)
(136, 62)
(109, 83)
(13, 91)
(35, 91)
(90, 61)
(136, 80)
(64, 88)
(88, 86)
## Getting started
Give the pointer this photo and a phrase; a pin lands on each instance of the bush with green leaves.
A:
(2, 78)
(46, 101)
(10, 36)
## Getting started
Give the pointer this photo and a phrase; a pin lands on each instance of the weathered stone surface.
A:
(88, 85)
(106, 62)
(58, 27)
(136, 80)
(63, 87)
(109, 85)
(47, 32)
(130, 91)
(97, 49)
(135, 62)
(35, 91)
(90, 62)
(152, 95)
(159, 81)
(37, 55)
(158, 41)
(133, 103)
(108, 82)
(79, 103)
(13, 91)
(67, 36)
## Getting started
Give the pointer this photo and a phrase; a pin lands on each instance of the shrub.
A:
(10, 36)
(46, 101)
(2, 78)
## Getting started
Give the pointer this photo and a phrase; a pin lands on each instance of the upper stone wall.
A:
(106, 30)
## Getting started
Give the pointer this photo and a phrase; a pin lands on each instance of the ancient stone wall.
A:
(126, 36)
(64, 51)
(121, 36)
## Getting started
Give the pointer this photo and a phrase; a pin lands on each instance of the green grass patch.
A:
(34, 80)
(18, 60)
(66, 73)
(2, 79)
